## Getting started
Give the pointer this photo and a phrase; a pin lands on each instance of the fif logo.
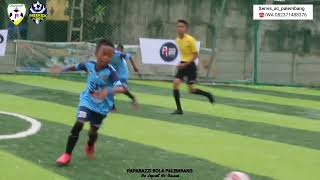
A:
(168, 52)
(38, 12)
(16, 13)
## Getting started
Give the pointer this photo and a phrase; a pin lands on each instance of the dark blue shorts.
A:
(85, 114)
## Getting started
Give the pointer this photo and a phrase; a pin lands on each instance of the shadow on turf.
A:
(114, 156)
(251, 129)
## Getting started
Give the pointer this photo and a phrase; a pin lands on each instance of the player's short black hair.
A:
(120, 46)
(183, 22)
(104, 42)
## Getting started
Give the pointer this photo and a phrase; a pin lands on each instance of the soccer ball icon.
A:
(15, 14)
(37, 6)
(36, 9)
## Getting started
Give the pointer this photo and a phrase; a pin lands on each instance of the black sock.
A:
(93, 136)
(129, 95)
(176, 95)
(73, 137)
(203, 93)
(72, 141)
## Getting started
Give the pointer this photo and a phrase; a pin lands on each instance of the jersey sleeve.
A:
(193, 45)
(81, 66)
(128, 56)
(125, 56)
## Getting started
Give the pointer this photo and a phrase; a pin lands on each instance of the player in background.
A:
(120, 48)
(95, 101)
(187, 67)
(119, 63)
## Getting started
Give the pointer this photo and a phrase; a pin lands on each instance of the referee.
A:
(187, 67)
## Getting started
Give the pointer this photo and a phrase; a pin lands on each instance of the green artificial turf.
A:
(270, 133)
(12, 125)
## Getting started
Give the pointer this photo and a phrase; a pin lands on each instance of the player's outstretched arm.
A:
(135, 67)
(58, 69)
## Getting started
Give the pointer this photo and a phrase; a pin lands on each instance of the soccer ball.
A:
(235, 175)
(15, 14)
(37, 6)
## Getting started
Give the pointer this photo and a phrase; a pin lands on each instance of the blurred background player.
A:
(187, 67)
(96, 100)
(119, 63)
(120, 48)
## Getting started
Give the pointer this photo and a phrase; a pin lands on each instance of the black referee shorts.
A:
(188, 73)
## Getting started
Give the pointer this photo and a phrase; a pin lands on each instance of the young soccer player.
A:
(119, 63)
(187, 67)
(95, 101)
(120, 48)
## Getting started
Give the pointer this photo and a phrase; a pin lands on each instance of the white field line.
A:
(35, 127)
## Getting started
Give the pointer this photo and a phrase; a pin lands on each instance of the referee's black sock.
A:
(176, 95)
(204, 93)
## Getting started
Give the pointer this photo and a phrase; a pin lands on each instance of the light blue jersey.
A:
(119, 63)
(97, 81)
